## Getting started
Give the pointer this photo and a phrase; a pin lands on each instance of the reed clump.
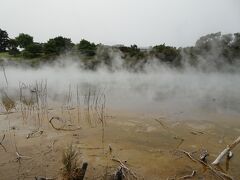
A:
(7, 102)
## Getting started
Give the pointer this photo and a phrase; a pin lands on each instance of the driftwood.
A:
(226, 151)
(124, 167)
(2, 144)
(216, 172)
(61, 129)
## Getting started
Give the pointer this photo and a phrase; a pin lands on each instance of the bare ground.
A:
(148, 144)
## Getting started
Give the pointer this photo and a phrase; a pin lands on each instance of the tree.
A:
(87, 48)
(165, 53)
(208, 42)
(3, 40)
(132, 51)
(12, 47)
(33, 50)
(58, 45)
(24, 40)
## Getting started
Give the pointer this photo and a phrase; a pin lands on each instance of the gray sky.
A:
(141, 22)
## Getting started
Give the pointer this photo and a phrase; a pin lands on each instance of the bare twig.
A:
(5, 76)
(2, 144)
(189, 176)
(188, 154)
(61, 129)
(19, 157)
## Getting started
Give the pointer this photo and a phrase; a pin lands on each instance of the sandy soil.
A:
(147, 143)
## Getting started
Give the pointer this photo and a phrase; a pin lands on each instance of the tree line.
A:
(216, 49)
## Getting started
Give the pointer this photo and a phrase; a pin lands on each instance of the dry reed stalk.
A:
(69, 102)
(5, 75)
(78, 106)
(8, 103)
(1, 143)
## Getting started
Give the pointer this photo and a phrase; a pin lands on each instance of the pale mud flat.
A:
(148, 146)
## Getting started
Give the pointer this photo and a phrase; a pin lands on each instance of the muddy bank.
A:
(147, 143)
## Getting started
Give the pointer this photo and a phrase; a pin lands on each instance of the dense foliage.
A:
(3, 40)
(213, 50)
(58, 45)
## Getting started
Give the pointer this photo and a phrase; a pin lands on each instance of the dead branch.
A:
(2, 144)
(217, 173)
(125, 167)
(188, 154)
(20, 157)
(189, 176)
(61, 129)
(226, 151)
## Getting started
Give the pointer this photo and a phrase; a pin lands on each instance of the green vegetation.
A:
(87, 48)
(3, 40)
(58, 45)
(24, 40)
(216, 49)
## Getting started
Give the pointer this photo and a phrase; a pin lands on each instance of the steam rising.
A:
(159, 89)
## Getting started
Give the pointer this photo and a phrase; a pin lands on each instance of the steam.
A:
(158, 89)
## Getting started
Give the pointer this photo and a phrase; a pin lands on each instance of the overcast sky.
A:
(141, 22)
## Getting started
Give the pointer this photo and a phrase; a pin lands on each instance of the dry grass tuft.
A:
(71, 169)
(69, 162)
(8, 103)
